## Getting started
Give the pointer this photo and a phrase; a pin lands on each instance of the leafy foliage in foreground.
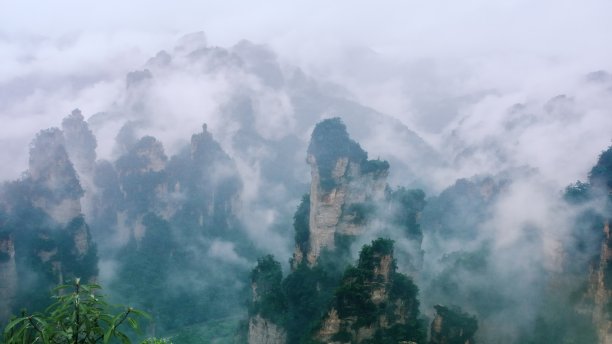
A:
(78, 317)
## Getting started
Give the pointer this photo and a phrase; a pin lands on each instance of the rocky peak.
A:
(80, 142)
(267, 305)
(261, 61)
(601, 174)
(374, 303)
(161, 59)
(48, 155)
(343, 182)
(266, 279)
(204, 149)
(452, 326)
(147, 155)
(56, 187)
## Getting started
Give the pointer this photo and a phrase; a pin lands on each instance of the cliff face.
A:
(199, 185)
(44, 239)
(263, 331)
(600, 277)
(8, 276)
(268, 306)
(55, 185)
(331, 211)
(80, 142)
(373, 303)
(368, 303)
(451, 326)
(142, 182)
(178, 215)
(214, 180)
(55, 189)
(599, 291)
(344, 185)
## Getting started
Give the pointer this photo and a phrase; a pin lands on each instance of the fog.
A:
(436, 66)
(517, 91)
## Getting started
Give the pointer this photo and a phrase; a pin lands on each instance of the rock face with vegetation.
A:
(44, 239)
(343, 188)
(325, 299)
(370, 303)
(262, 331)
(268, 304)
(158, 217)
(167, 223)
(176, 217)
(55, 186)
(80, 143)
(599, 291)
(452, 326)
(373, 303)
(8, 275)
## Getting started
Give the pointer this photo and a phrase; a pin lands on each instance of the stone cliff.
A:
(600, 289)
(452, 326)
(42, 229)
(55, 184)
(324, 299)
(80, 142)
(200, 184)
(8, 275)
(599, 292)
(263, 331)
(344, 185)
(373, 303)
(267, 305)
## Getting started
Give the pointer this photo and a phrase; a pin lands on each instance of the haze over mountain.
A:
(174, 148)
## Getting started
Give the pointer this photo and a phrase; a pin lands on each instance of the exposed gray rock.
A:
(262, 331)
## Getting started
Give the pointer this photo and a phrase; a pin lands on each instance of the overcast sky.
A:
(416, 27)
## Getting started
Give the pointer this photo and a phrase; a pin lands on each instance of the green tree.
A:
(78, 317)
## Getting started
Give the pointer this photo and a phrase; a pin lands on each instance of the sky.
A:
(410, 27)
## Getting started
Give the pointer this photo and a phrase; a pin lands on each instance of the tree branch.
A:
(34, 325)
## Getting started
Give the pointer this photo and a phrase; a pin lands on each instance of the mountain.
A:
(211, 157)
(45, 238)
(324, 299)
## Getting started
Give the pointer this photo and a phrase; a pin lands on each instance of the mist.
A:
(491, 109)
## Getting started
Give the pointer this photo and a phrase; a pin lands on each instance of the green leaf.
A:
(122, 337)
(107, 335)
(61, 287)
(141, 313)
(21, 333)
(13, 323)
(58, 324)
(133, 324)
